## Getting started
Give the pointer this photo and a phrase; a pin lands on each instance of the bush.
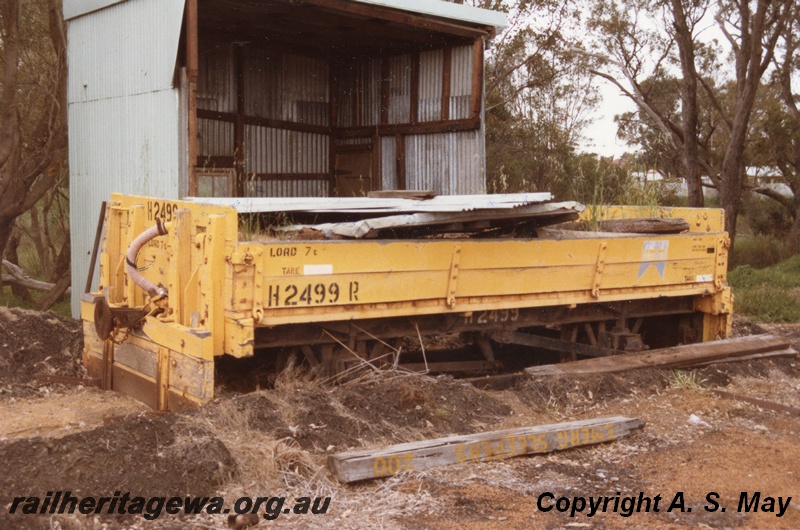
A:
(769, 294)
(766, 217)
(9, 300)
(758, 251)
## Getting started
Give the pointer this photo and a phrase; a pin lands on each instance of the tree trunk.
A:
(19, 291)
(691, 164)
(794, 232)
(6, 226)
(28, 150)
(733, 165)
(56, 293)
(753, 53)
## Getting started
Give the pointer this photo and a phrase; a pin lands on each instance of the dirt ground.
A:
(57, 437)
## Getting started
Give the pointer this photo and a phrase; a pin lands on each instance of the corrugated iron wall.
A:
(359, 84)
(295, 89)
(388, 163)
(286, 87)
(287, 188)
(270, 150)
(399, 89)
(366, 74)
(215, 138)
(447, 163)
(123, 114)
(431, 65)
(460, 82)
(216, 81)
(276, 86)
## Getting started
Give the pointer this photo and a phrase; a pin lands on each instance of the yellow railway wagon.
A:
(196, 289)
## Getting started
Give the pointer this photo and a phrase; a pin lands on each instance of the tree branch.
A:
(786, 202)
(20, 277)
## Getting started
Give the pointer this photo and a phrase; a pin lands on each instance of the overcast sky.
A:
(601, 135)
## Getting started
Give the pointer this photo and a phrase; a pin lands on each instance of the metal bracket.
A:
(598, 269)
(452, 279)
(163, 363)
(107, 319)
(721, 262)
(258, 285)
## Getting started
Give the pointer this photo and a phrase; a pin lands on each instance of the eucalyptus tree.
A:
(776, 125)
(539, 94)
(637, 42)
(33, 123)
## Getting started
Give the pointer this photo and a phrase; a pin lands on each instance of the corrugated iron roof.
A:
(441, 203)
(449, 10)
(435, 8)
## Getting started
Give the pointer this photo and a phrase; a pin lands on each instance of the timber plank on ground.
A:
(685, 356)
(481, 447)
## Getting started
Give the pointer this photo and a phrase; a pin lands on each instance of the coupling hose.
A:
(130, 259)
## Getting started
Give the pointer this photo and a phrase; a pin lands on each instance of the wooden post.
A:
(414, 89)
(333, 118)
(358, 94)
(385, 88)
(192, 65)
(477, 78)
(447, 64)
(96, 246)
(400, 161)
(481, 447)
(377, 162)
(238, 135)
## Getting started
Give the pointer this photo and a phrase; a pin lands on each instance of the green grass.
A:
(770, 294)
(758, 251)
(7, 299)
(687, 381)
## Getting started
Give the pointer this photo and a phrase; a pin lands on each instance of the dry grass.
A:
(264, 464)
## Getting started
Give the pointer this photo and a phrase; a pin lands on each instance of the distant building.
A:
(653, 177)
(765, 176)
(768, 177)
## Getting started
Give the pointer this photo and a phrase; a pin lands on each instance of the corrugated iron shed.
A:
(169, 98)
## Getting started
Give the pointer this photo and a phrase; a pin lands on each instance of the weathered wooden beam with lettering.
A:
(481, 447)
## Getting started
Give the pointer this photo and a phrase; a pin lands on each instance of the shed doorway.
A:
(354, 171)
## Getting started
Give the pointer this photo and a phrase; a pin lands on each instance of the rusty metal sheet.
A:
(442, 203)
(367, 227)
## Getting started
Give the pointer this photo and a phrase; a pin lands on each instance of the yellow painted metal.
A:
(294, 282)
(492, 274)
(133, 295)
(191, 342)
(599, 267)
(212, 277)
(452, 277)
(239, 337)
(180, 241)
(221, 289)
(191, 300)
(162, 378)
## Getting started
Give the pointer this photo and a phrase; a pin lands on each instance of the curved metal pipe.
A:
(130, 259)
